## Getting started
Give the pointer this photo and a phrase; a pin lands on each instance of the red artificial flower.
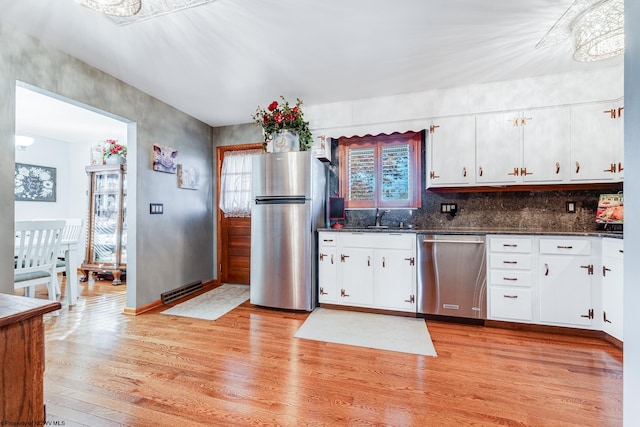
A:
(273, 106)
(295, 110)
(265, 118)
(278, 118)
(289, 117)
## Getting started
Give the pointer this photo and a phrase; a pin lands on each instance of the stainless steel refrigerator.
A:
(288, 196)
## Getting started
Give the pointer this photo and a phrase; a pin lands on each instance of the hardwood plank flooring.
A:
(104, 368)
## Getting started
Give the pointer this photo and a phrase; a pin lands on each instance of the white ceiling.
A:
(219, 61)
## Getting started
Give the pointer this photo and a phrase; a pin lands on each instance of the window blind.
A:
(395, 172)
(362, 174)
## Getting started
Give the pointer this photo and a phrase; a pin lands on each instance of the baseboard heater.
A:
(180, 292)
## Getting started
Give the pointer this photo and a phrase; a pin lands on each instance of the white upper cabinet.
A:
(546, 138)
(451, 152)
(498, 149)
(523, 147)
(597, 141)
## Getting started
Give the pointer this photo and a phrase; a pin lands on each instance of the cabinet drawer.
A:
(510, 261)
(565, 247)
(379, 240)
(510, 244)
(510, 277)
(613, 248)
(327, 239)
(512, 304)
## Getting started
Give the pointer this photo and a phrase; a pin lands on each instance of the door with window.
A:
(234, 212)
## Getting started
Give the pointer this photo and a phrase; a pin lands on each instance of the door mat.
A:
(213, 304)
(379, 331)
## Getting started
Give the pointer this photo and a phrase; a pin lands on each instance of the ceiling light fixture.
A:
(595, 26)
(22, 142)
(113, 7)
(124, 12)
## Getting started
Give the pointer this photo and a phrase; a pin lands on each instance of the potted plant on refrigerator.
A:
(284, 126)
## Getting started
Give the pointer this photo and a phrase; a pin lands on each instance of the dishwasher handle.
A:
(468, 242)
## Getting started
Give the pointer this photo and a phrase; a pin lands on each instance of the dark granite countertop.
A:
(473, 230)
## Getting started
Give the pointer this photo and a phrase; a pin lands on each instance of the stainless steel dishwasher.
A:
(452, 279)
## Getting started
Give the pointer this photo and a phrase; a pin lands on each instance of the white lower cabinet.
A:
(510, 280)
(327, 268)
(612, 286)
(374, 270)
(566, 271)
(549, 280)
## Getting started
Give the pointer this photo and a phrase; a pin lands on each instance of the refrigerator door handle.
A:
(276, 200)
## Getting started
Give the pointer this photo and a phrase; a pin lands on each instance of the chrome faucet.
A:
(379, 214)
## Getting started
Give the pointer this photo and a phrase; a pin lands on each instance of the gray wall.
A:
(632, 214)
(165, 251)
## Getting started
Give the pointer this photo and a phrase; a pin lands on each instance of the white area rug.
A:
(379, 331)
(213, 304)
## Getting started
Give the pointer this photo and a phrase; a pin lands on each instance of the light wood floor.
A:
(246, 369)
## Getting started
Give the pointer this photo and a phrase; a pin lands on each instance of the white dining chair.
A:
(70, 234)
(35, 254)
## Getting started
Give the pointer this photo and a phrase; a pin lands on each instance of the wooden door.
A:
(234, 234)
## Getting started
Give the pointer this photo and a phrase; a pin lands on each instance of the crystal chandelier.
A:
(595, 26)
(113, 7)
(124, 12)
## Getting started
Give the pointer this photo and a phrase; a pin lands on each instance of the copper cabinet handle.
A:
(343, 257)
(523, 172)
(433, 175)
(464, 171)
(604, 317)
(433, 128)
(322, 292)
(612, 113)
(331, 258)
(557, 168)
(412, 260)
(509, 262)
(620, 111)
(612, 168)
(589, 268)
(511, 279)
(368, 261)
(564, 247)
(577, 167)
(383, 262)
(546, 267)
(620, 168)
(480, 171)
(514, 173)
(322, 257)
(411, 299)
(511, 296)
(604, 271)
(509, 245)
(343, 293)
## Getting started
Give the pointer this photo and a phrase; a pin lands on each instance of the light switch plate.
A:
(156, 208)
(571, 207)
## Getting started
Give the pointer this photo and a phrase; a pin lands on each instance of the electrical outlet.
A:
(571, 207)
(448, 208)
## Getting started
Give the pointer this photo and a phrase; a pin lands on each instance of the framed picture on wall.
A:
(35, 183)
(188, 177)
(165, 159)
